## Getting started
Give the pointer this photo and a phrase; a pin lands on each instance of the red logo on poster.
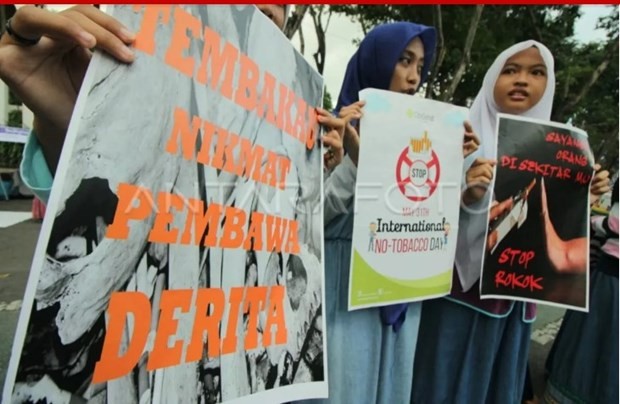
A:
(418, 170)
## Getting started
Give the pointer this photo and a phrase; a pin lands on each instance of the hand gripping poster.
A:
(407, 199)
(181, 260)
(537, 246)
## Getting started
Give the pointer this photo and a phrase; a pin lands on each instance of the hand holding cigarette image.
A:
(506, 214)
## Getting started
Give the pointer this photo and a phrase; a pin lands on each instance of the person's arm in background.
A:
(605, 228)
(34, 170)
(44, 61)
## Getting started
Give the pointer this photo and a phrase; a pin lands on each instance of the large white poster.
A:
(181, 259)
(407, 199)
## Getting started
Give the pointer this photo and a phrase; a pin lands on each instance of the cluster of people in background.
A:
(458, 349)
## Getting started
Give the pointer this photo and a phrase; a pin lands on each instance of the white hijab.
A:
(483, 116)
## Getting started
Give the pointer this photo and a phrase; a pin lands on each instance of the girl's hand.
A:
(470, 140)
(600, 184)
(351, 135)
(333, 138)
(478, 179)
(335, 150)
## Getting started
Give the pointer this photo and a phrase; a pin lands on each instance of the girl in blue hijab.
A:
(371, 351)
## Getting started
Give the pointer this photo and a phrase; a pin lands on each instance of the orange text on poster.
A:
(208, 309)
(219, 62)
(256, 231)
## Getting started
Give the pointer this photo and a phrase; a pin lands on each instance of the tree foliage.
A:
(328, 104)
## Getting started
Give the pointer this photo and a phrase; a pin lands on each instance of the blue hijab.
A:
(372, 66)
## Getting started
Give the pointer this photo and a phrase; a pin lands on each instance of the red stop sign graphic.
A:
(420, 175)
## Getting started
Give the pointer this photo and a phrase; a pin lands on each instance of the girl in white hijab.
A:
(483, 115)
(472, 350)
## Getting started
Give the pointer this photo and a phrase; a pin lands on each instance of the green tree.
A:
(10, 153)
(587, 90)
(327, 100)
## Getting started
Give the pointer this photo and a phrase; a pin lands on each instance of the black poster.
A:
(537, 239)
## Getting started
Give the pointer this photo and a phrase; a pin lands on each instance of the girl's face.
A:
(408, 71)
(521, 83)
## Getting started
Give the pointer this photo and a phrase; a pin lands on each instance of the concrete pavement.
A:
(17, 244)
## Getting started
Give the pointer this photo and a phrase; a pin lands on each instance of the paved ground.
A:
(17, 243)
(16, 250)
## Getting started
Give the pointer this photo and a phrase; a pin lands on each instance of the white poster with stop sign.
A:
(407, 199)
